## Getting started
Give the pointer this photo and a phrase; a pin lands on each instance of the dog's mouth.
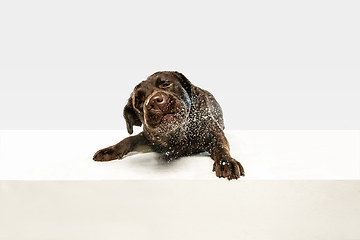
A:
(167, 122)
(170, 117)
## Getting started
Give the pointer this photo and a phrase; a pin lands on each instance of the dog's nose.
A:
(157, 102)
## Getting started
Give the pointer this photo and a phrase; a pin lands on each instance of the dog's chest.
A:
(175, 142)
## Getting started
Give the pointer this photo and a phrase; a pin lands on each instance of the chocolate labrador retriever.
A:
(179, 119)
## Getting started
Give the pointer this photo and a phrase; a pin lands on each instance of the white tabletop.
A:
(265, 155)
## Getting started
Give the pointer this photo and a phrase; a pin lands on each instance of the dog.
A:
(179, 119)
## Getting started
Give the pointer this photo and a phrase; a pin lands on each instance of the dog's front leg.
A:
(224, 165)
(120, 149)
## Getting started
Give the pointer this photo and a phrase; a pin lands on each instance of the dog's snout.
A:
(157, 102)
(158, 99)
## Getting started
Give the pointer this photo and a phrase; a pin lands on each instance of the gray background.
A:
(251, 98)
(271, 65)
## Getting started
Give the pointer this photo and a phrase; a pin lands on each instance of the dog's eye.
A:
(165, 84)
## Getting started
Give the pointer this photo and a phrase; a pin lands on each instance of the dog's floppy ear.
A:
(184, 81)
(130, 117)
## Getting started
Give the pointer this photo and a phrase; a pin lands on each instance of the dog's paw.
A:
(106, 154)
(228, 168)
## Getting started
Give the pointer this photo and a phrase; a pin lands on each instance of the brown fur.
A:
(178, 119)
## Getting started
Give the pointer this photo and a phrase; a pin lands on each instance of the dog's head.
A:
(161, 103)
